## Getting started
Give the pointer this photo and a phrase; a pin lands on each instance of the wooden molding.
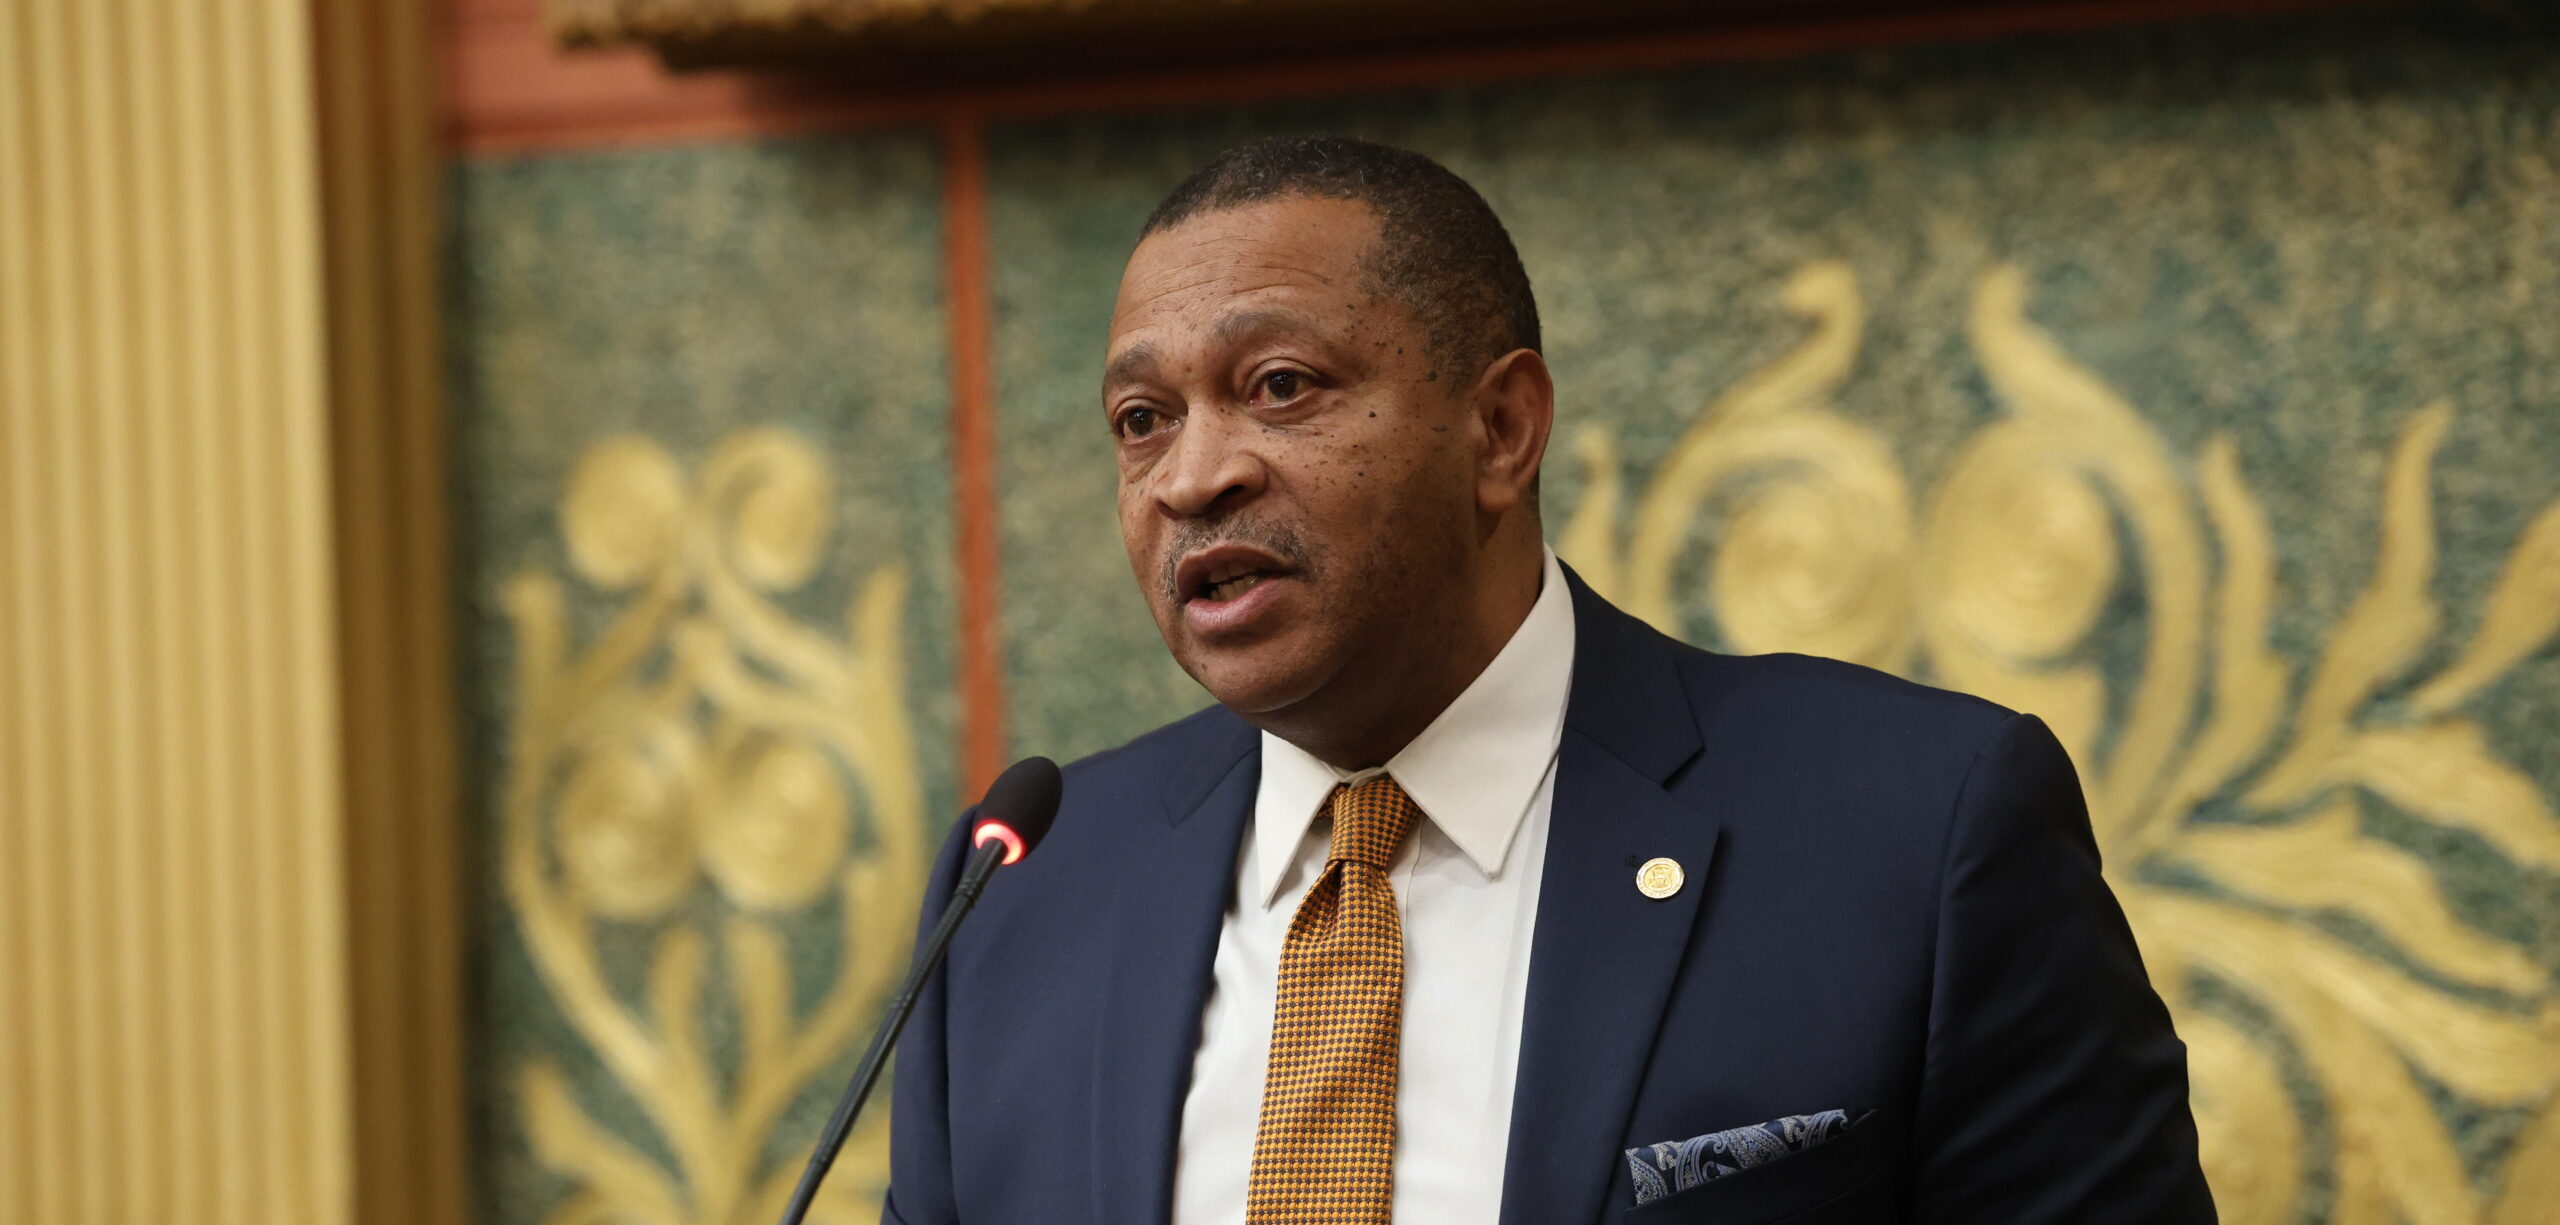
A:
(381, 184)
(886, 41)
(511, 86)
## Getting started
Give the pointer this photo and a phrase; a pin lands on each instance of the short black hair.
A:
(1440, 251)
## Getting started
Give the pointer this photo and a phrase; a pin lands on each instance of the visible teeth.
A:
(1222, 590)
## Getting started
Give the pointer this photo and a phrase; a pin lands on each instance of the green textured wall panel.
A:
(704, 491)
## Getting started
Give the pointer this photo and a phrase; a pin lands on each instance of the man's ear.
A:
(1515, 408)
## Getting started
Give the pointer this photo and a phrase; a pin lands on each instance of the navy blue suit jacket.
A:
(1893, 905)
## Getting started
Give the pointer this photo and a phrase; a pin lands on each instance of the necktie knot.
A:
(1370, 821)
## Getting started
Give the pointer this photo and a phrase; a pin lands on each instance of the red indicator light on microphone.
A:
(998, 831)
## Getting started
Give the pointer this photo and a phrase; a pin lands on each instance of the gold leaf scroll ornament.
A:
(706, 769)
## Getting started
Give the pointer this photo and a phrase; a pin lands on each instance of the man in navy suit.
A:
(1474, 899)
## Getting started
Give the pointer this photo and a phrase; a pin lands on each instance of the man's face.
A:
(1296, 474)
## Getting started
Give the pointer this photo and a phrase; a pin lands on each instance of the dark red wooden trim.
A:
(971, 321)
(511, 90)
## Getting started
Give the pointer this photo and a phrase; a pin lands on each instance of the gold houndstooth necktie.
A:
(1325, 1151)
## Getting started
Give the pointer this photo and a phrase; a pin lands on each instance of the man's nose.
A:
(1211, 467)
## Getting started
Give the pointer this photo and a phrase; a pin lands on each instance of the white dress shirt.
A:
(1466, 885)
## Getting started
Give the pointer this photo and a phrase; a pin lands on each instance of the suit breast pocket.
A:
(1839, 1182)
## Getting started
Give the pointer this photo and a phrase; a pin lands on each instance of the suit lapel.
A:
(1162, 935)
(1604, 956)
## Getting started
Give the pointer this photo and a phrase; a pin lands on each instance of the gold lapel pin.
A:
(1660, 878)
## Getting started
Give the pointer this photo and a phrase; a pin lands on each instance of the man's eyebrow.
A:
(1133, 365)
(1137, 363)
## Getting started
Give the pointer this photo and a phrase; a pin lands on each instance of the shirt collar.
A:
(1473, 771)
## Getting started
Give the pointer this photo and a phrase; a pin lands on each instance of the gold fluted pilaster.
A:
(219, 1000)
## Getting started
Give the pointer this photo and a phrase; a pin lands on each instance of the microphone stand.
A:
(983, 862)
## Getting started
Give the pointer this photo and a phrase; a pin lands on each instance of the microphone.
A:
(1016, 814)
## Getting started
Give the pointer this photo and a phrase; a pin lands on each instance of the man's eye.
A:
(1139, 422)
(1284, 384)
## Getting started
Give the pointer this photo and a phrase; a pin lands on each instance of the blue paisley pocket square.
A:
(1663, 1169)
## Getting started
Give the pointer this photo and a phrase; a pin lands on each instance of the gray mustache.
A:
(1277, 539)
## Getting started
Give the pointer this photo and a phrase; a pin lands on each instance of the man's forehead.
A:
(1275, 247)
(1138, 360)
(1211, 278)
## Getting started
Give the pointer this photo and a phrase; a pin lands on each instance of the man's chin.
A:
(1258, 679)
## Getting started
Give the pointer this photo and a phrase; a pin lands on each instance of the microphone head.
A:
(1019, 808)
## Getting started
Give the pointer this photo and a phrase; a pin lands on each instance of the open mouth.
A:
(1225, 574)
(1221, 590)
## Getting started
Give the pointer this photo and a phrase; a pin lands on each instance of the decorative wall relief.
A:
(703, 567)
(730, 793)
(2231, 787)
